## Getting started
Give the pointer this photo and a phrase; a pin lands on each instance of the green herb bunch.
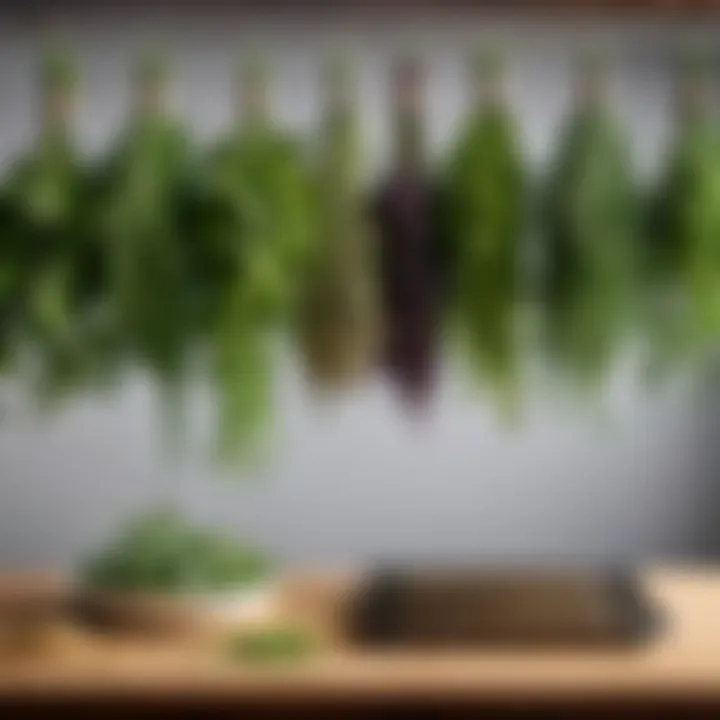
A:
(52, 258)
(141, 187)
(339, 323)
(591, 235)
(683, 247)
(160, 552)
(486, 217)
(255, 225)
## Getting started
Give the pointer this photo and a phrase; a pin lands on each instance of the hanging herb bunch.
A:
(12, 282)
(591, 236)
(52, 258)
(339, 323)
(486, 219)
(683, 250)
(255, 232)
(142, 185)
(406, 213)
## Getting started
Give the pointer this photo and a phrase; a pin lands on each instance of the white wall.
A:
(359, 479)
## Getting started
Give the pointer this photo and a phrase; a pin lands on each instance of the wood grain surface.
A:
(64, 660)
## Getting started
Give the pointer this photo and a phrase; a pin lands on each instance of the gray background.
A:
(355, 478)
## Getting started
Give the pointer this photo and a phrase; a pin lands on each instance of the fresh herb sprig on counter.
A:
(271, 645)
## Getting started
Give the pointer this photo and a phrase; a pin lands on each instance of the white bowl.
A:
(178, 612)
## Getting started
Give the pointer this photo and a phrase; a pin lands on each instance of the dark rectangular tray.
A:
(463, 607)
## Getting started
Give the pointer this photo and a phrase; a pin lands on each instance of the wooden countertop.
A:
(683, 661)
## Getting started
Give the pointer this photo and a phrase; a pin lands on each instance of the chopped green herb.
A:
(271, 645)
(161, 553)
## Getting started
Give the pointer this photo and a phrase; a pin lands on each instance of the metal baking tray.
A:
(430, 607)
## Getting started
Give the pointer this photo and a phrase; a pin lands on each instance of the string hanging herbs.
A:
(255, 234)
(683, 248)
(143, 183)
(591, 234)
(406, 213)
(339, 323)
(50, 239)
(486, 217)
(12, 271)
